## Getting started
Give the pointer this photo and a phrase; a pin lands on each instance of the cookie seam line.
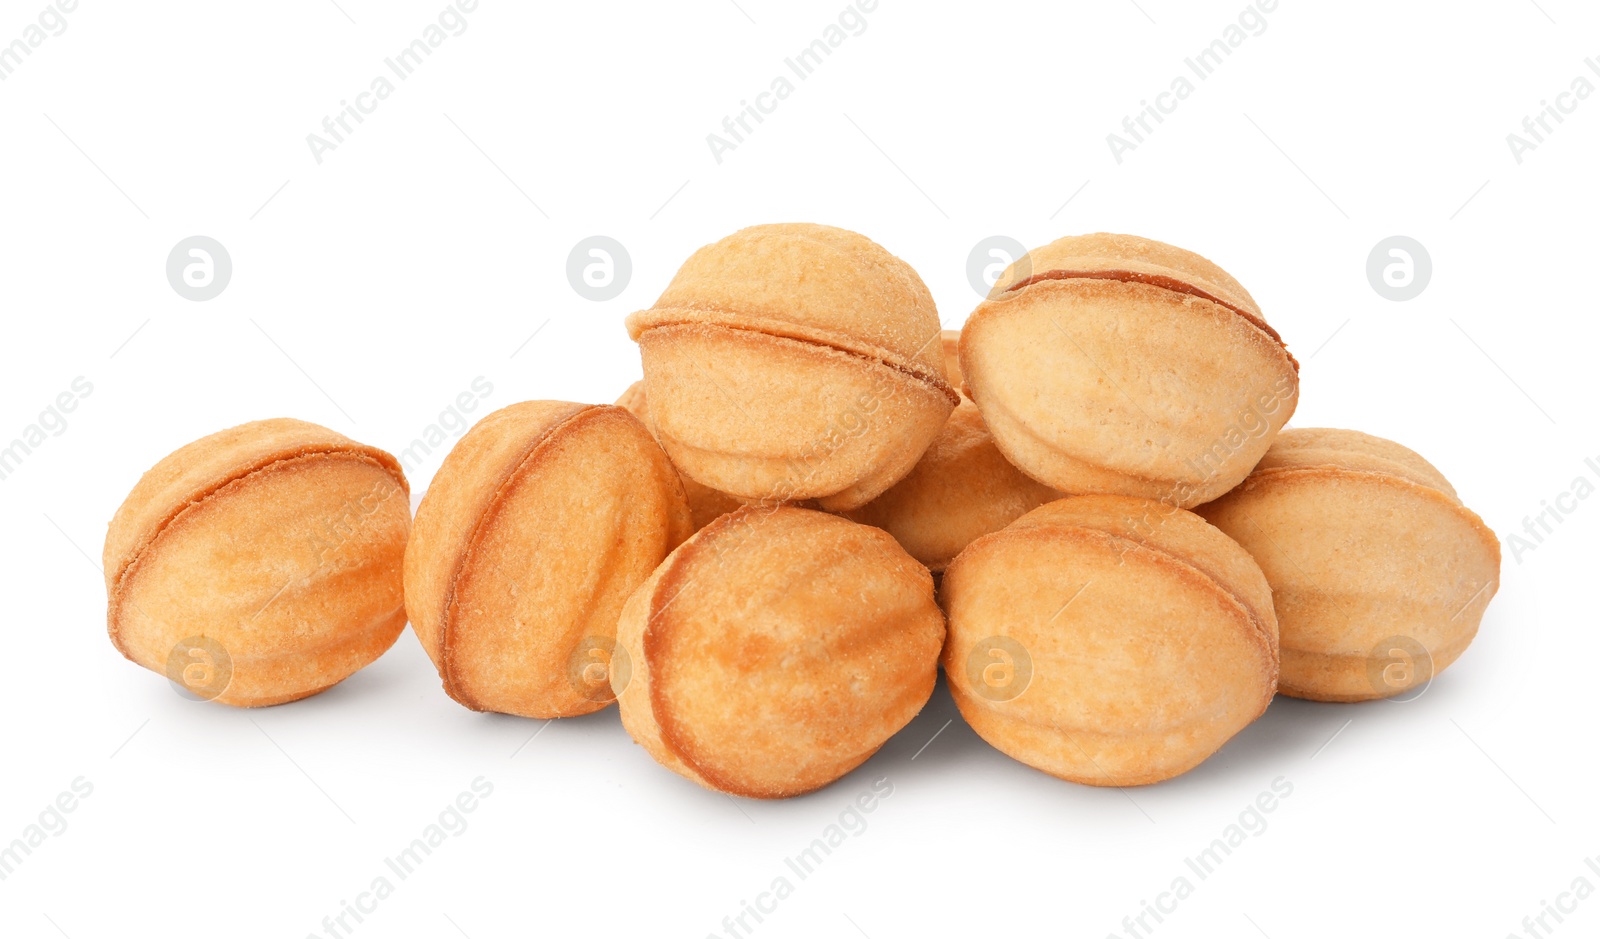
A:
(1052, 446)
(761, 326)
(648, 642)
(524, 462)
(1183, 288)
(1453, 503)
(1339, 469)
(1258, 627)
(142, 550)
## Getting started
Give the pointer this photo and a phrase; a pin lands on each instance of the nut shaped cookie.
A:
(539, 524)
(1109, 640)
(962, 487)
(705, 503)
(1379, 574)
(260, 564)
(795, 361)
(1117, 364)
(776, 650)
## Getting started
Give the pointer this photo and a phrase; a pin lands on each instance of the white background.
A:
(369, 290)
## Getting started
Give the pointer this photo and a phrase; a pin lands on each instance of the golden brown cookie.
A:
(963, 487)
(539, 524)
(1117, 364)
(705, 503)
(1379, 574)
(790, 362)
(777, 650)
(1109, 640)
(260, 564)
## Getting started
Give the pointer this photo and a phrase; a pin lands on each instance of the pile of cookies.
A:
(1132, 555)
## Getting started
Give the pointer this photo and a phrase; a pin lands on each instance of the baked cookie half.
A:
(539, 524)
(790, 362)
(1117, 364)
(1109, 640)
(1379, 574)
(777, 650)
(260, 564)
